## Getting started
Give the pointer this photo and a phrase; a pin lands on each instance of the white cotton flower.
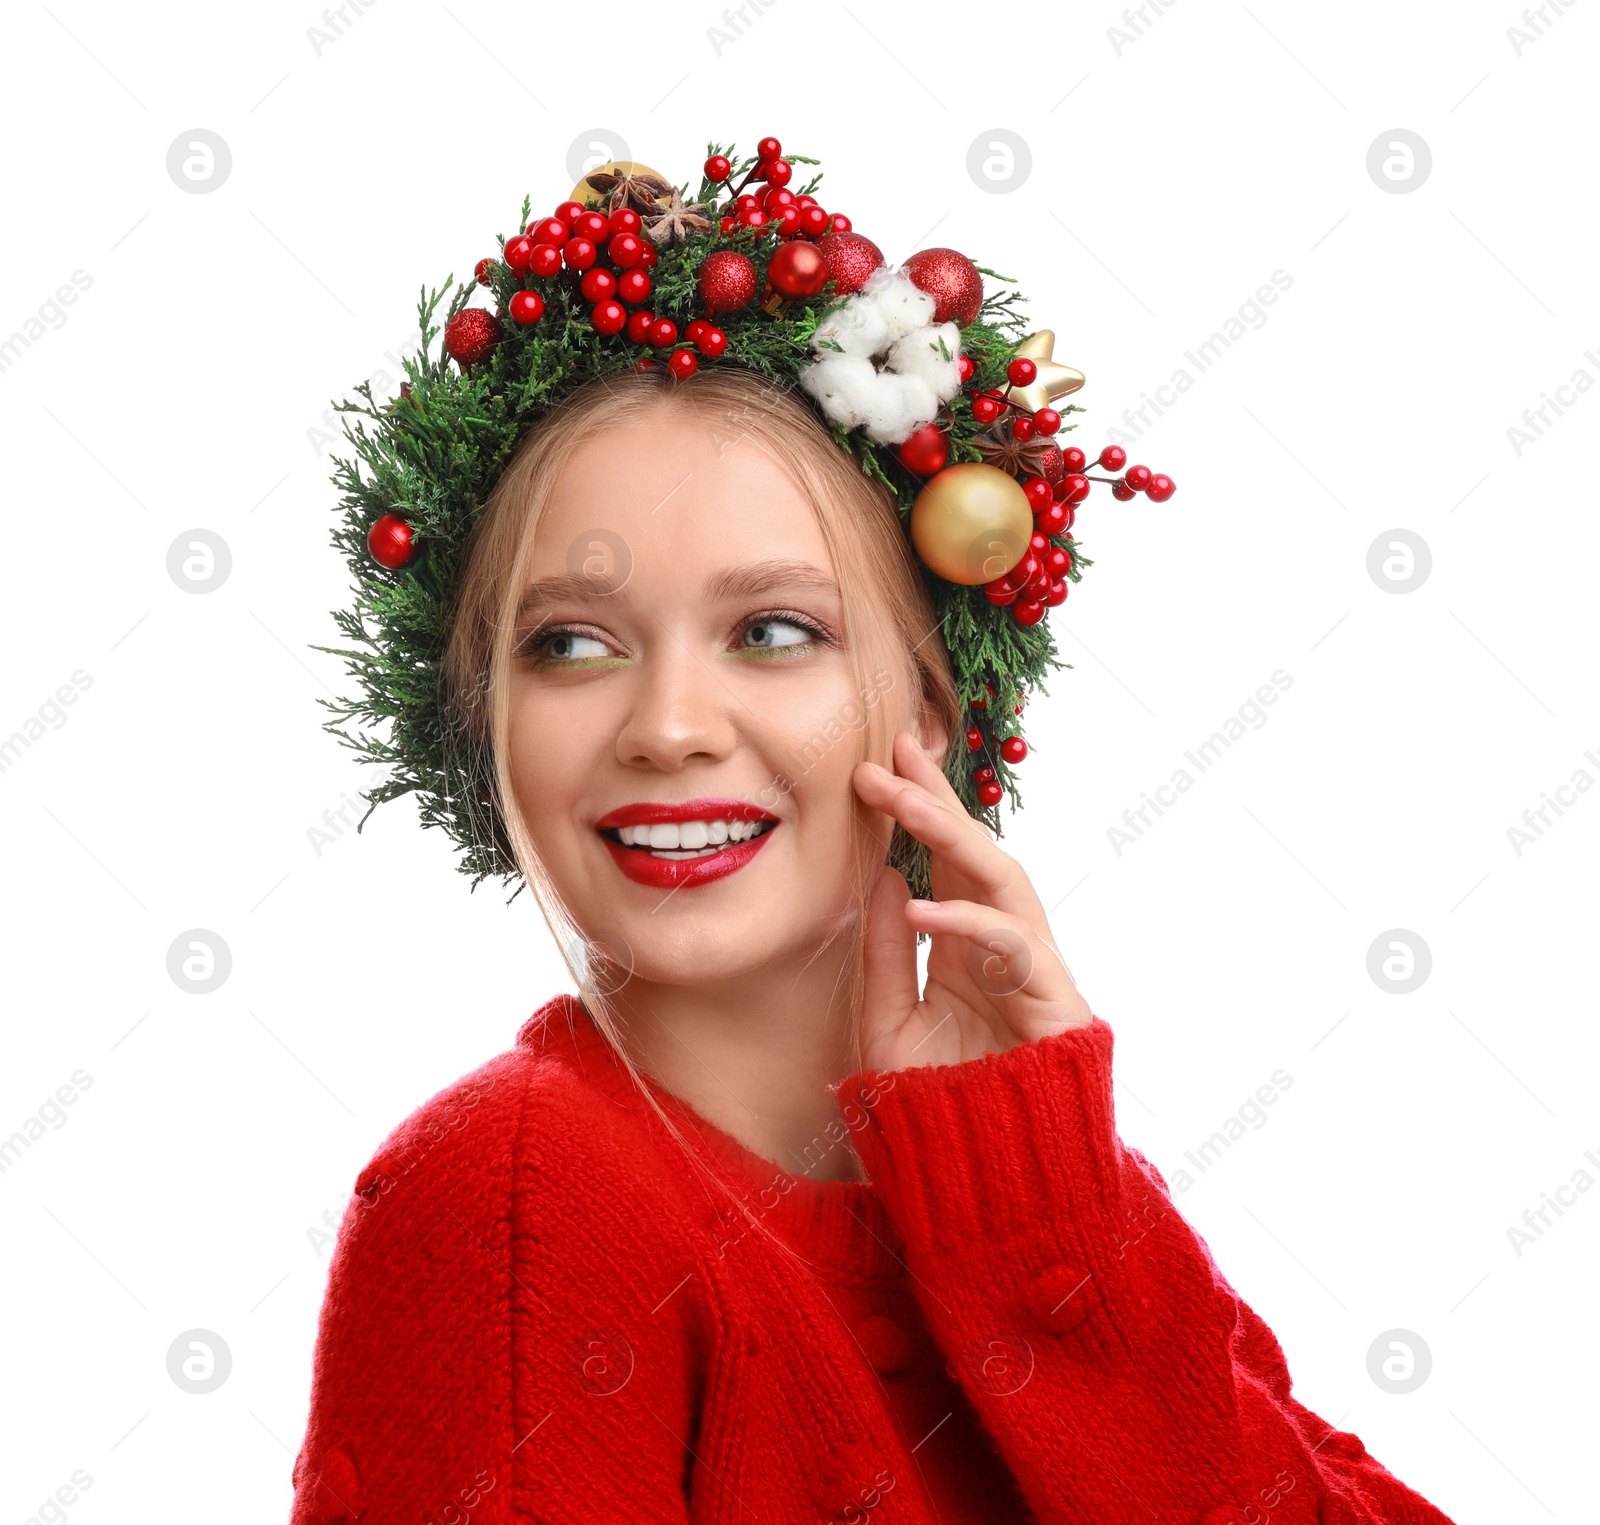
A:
(881, 364)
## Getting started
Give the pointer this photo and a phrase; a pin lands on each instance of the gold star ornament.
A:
(1052, 381)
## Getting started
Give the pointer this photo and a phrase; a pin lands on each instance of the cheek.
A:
(548, 776)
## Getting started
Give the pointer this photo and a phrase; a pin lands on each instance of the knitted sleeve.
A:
(1119, 1374)
(490, 1346)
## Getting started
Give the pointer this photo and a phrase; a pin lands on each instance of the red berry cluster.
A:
(610, 259)
(773, 205)
(1039, 581)
(1013, 749)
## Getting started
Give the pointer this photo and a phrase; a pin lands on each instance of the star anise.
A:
(638, 191)
(673, 223)
(1022, 458)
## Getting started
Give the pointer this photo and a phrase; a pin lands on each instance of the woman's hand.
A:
(995, 977)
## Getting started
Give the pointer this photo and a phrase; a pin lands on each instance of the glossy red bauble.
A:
(924, 452)
(798, 269)
(390, 542)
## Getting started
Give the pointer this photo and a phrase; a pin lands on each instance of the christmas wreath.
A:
(932, 384)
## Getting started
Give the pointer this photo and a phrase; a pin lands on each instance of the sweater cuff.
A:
(1011, 1146)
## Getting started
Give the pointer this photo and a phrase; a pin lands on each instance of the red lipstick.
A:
(643, 866)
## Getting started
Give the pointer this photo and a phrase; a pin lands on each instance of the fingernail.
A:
(924, 903)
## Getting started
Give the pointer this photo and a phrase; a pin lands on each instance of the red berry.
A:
(549, 230)
(747, 202)
(1025, 570)
(1113, 458)
(1000, 592)
(1074, 459)
(683, 363)
(624, 220)
(1020, 372)
(640, 324)
(1039, 493)
(983, 775)
(990, 794)
(695, 329)
(625, 250)
(648, 261)
(608, 317)
(786, 220)
(727, 224)
(753, 217)
(1161, 488)
(718, 168)
(567, 211)
(634, 285)
(1057, 594)
(711, 343)
(841, 223)
(590, 225)
(768, 148)
(775, 198)
(1013, 749)
(663, 333)
(979, 703)
(974, 739)
(813, 222)
(984, 409)
(1038, 545)
(777, 172)
(390, 541)
(1022, 427)
(1077, 488)
(1028, 611)
(1052, 519)
(1122, 492)
(1047, 420)
(597, 285)
(579, 253)
(1138, 477)
(526, 307)
(518, 252)
(1072, 515)
(481, 271)
(806, 201)
(1057, 563)
(545, 260)
(965, 368)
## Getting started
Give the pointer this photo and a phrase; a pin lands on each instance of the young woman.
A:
(760, 1227)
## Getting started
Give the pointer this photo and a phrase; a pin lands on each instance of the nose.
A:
(681, 714)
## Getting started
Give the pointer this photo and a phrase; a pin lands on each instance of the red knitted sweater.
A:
(540, 1310)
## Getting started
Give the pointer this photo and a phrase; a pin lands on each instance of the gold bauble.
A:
(1052, 380)
(588, 196)
(971, 523)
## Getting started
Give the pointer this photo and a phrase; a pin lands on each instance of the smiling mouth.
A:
(687, 841)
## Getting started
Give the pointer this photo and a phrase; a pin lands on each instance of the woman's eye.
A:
(769, 634)
(570, 646)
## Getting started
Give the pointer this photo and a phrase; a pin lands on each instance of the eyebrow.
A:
(731, 582)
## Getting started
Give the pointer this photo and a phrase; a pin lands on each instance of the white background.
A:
(1172, 174)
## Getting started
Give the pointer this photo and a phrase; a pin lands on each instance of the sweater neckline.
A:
(843, 1224)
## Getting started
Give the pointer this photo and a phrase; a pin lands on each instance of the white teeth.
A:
(688, 839)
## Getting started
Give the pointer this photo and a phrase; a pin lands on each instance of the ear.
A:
(931, 735)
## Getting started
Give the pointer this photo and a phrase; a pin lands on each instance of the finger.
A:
(889, 957)
(949, 831)
(1005, 956)
(911, 762)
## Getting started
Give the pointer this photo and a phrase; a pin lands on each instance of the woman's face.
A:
(684, 712)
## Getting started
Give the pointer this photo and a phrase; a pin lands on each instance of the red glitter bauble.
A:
(926, 451)
(798, 270)
(727, 282)
(952, 280)
(390, 541)
(1051, 464)
(851, 259)
(470, 335)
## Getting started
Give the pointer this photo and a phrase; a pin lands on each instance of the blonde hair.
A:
(890, 625)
